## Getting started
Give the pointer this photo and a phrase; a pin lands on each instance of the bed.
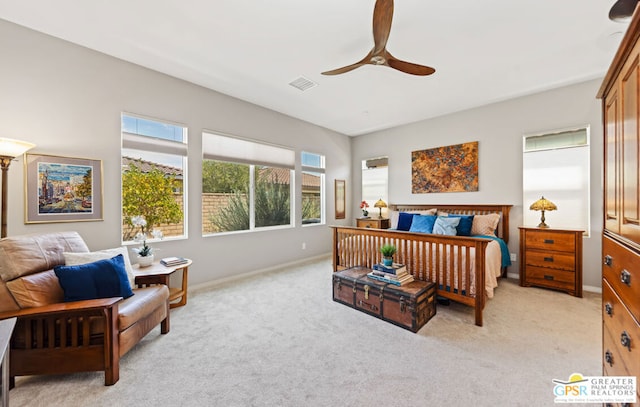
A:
(466, 269)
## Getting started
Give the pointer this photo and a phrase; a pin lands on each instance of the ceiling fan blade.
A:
(344, 69)
(382, 17)
(622, 10)
(409, 67)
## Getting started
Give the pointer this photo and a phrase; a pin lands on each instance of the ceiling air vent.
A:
(303, 83)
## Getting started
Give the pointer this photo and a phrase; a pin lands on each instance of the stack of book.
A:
(173, 261)
(395, 274)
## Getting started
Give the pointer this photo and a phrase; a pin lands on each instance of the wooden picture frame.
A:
(62, 189)
(340, 196)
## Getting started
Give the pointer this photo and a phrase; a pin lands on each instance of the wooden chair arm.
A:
(63, 307)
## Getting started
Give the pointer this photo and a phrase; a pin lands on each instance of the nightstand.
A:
(551, 258)
(374, 223)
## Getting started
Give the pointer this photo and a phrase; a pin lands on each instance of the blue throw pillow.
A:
(446, 226)
(100, 279)
(404, 221)
(464, 227)
(423, 223)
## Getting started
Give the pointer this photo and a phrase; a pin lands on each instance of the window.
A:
(245, 185)
(375, 184)
(154, 158)
(312, 188)
(556, 166)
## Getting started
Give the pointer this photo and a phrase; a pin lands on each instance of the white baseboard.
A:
(213, 283)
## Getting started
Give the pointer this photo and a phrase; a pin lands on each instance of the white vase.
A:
(145, 261)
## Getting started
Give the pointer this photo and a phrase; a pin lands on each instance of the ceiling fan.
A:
(382, 17)
(622, 10)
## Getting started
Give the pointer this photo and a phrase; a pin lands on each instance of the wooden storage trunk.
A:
(409, 306)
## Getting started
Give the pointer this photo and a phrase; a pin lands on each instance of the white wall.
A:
(499, 129)
(67, 100)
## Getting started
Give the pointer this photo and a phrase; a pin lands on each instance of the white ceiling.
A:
(483, 51)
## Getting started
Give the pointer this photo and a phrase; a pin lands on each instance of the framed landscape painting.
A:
(445, 169)
(62, 189)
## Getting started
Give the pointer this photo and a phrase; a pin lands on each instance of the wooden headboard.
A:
(464, 209)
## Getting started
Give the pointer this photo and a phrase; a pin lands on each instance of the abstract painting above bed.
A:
(445, 169)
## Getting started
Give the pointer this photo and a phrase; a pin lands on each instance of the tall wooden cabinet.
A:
(620, 94)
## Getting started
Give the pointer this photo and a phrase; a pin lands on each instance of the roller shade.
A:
(159, 145)
(224, 148)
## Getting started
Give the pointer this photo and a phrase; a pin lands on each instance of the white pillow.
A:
(393, 218)
(75, 259)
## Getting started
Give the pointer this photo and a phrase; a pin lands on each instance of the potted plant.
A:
(387, 250)
(144, 252)
(364, 205)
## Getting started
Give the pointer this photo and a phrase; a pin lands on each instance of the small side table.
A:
(159, 274)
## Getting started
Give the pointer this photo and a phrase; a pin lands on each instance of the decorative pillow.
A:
(36, 290)
(464, 227)
(393, 219)
(100, 279)
(404, 221)
(75, 259)
(422, 223)
(485, 224)
(432, 211)
(446, 226)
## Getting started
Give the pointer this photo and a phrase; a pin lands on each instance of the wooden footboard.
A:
(445, 260)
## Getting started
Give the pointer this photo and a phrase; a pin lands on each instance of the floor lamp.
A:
(9, 149)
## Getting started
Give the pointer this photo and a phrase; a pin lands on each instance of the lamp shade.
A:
(380, 204)
(543, 204)
(13, 148)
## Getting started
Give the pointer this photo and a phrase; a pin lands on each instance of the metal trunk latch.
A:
(366, 292)
(403, 305)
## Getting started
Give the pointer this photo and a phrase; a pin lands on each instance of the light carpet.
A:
(278, 339)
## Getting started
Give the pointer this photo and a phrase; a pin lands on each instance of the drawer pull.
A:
(608, 260)
(549, 241)
(548, 277)
(625, 277)
(625, 340)
(608, 357)
(549, 259)
(608, 308)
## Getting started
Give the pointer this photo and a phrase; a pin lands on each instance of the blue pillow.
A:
(404, 221)
(100, 279)
(446, 226)
(423, 223)
(464, 227)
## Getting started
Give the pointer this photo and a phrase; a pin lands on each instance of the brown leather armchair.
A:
(52, 336)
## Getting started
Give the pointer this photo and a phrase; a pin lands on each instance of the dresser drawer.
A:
(621, 269)
(561, 261)
(620, 331)
(554, 241)
(367, 223)
(612, 360)
(552, 278)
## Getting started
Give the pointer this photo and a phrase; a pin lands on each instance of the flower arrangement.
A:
(145, 250)
(364, 205)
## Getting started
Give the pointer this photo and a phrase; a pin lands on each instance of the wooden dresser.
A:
(375, 223)
(551, 258)
(620, 94)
